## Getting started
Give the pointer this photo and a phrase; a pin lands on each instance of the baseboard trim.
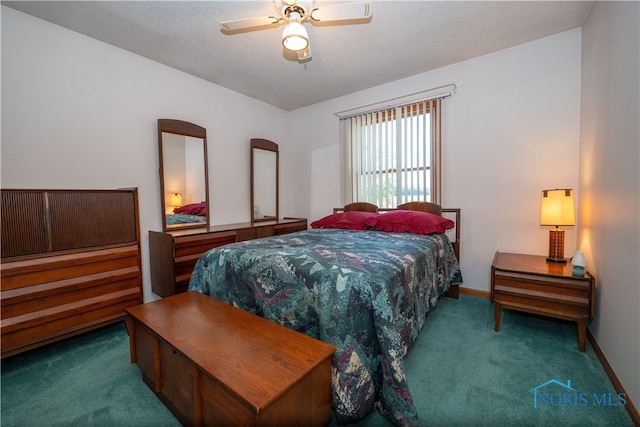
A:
(475, 292)
(630, 407)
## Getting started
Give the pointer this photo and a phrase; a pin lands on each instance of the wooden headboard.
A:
(451, 213)
(70, 263)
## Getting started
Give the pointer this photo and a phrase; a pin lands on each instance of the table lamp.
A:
(176, 199)
(556, 210)
(579, 263)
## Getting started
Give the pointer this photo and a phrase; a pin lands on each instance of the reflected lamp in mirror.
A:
(176, 199)
(557, 210)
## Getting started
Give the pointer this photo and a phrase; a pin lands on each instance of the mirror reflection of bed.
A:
(182, 148)
(187, 214)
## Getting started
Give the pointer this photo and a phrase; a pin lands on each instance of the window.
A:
(392, 156)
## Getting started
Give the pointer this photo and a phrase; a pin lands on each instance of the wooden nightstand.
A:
(529, 283)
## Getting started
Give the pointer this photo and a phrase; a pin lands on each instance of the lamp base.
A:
(578, 271)
(556, 246)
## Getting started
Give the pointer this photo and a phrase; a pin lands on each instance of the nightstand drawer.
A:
(553, 295)
(550, 285)
(552, 304)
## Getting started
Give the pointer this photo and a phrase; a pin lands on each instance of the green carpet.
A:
(460, 372)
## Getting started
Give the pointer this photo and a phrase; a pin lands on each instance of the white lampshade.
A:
(579, 259)
(579, 264)
(295, 36)
(556, 208)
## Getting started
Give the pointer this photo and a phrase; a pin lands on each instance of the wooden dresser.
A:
(214, 364)
(531, 284)
(70, 263)
(174, 253)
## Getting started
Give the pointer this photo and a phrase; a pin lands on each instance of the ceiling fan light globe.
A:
(295, 36)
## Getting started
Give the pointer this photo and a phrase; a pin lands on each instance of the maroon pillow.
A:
(192, 209)
(415, 222)
(351, 220)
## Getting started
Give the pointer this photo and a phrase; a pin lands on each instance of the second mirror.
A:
(264, 180)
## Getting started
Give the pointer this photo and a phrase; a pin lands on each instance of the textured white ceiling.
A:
(402, 38)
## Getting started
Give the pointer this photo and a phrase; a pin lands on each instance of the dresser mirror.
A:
(184, 184)
(264, 180)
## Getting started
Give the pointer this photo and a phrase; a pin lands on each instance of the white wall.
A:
(510, 131)
(78, 113)
(610, 181)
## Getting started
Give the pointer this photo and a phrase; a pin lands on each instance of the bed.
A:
(188, 214)
(177, 218)
(356, 281)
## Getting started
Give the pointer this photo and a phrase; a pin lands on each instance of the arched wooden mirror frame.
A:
(189, 195)
(264, 180)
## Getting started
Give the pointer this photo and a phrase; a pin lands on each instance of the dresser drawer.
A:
(290, 228)
(255, 233)
(173, 257)
(544, 294)
(191, 245)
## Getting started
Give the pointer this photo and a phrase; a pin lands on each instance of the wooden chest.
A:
(214, 364)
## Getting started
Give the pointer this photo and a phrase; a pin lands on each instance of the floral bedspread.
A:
(365, 292)
(173, 219)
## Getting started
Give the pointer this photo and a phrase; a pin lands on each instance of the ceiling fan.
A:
(294, 13)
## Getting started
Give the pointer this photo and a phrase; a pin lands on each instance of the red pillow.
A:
(351, 220)
(415, 222)
(192, 209)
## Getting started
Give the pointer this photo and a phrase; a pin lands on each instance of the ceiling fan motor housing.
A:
(287, 11)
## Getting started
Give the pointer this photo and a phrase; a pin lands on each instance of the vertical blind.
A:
(392, 156)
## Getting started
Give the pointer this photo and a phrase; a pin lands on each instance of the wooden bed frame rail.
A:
(451, 213)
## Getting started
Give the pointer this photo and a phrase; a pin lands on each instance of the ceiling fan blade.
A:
(343, 11)
(242, 24)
